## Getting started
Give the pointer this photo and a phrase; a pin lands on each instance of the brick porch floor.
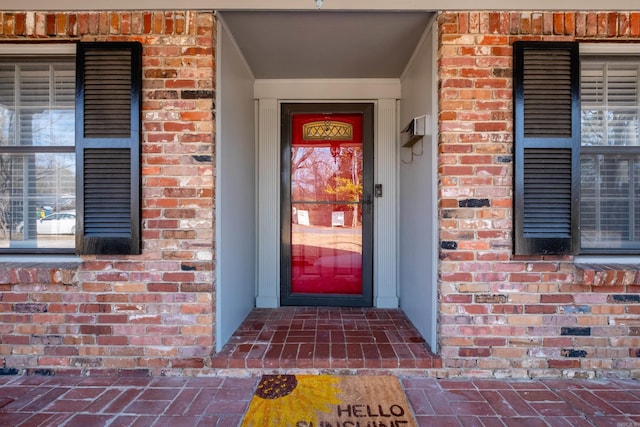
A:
(70, 401)
(326, 339)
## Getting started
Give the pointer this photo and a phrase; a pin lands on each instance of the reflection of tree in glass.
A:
(346, 184)
(310, 169)
(314, 170)
(4, 193)
(6, 119)
(54, 175)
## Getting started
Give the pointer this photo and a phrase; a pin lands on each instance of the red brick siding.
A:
(155, 311)
(500, 314)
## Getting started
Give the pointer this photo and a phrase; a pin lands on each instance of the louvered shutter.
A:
(546, 147)
(108, 101)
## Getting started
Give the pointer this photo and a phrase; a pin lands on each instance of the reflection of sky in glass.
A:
(43, 128)
(52, 128)
(56, 164)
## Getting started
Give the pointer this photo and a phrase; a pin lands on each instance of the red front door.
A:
(327, 210)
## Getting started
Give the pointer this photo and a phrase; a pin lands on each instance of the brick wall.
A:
(146, 313)
(503, 315)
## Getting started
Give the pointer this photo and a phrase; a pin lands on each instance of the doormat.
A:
(328, 401)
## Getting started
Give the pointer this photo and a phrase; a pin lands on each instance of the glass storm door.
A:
(327, 209)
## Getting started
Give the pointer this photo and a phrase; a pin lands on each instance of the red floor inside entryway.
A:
(326, 338)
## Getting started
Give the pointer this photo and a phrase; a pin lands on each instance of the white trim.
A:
(385, 237)
(327, 89)
(609, 48)
(428, 5)
(256, 224)
(268, 203)
(32, 49)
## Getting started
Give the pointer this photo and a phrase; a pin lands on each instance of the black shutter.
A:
(546, 147)
(108, 114)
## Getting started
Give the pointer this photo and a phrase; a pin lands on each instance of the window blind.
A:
(610, 110)
(36, 100)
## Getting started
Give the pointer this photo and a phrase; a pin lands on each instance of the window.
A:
(610, 154)
(70, 149)
(37, 154)
(576, 151)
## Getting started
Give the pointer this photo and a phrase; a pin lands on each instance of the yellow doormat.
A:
(328, 401)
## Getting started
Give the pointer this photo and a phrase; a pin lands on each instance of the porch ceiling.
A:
(323, 44)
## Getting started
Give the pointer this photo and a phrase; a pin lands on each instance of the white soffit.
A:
(428, 5)
(326, 45)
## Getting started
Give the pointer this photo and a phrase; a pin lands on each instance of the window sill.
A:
(25, 270)
(608, 274)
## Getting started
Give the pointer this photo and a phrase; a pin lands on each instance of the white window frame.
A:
(34, 51)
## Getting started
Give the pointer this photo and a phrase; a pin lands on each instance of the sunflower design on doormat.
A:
(285, 400)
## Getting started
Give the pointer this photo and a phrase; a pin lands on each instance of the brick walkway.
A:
(171, 401)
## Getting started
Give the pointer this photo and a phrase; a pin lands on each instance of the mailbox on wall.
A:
(415, 130)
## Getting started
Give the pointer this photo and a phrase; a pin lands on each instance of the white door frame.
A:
(384, 94)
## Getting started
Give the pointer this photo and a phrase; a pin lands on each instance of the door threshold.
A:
(326, 339)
